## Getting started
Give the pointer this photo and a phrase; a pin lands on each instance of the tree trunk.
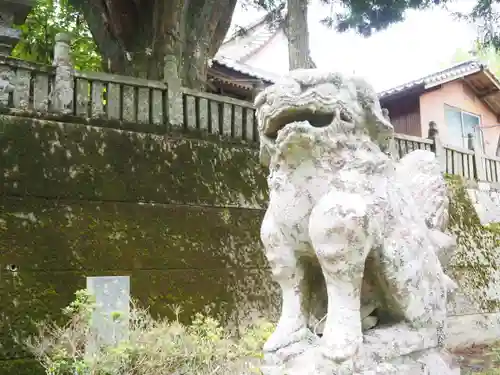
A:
(158, 39)
(297, 32)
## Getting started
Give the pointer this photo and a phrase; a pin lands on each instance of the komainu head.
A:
(310, 106)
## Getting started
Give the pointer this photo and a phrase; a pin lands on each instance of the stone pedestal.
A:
(390, 350)
(12, 12)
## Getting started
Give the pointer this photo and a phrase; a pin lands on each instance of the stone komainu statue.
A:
(355, 239)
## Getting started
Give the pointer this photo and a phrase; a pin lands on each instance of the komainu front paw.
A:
(341, 348)
(285, 336)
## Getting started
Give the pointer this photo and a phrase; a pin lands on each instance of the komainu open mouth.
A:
(314, 118)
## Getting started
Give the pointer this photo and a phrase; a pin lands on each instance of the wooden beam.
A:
(466, 82)
(481, 95)
(486, 93)
(492, 78)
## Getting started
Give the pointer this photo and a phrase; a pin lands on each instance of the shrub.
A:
(153, 347)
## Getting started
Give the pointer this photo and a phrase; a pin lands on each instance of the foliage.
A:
(487, 55)
(153, 346)
(485, 15)
(367, 16)
(47, 18)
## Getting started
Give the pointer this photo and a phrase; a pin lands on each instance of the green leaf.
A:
(48, 18)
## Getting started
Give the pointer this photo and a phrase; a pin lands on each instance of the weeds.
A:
(153, 346)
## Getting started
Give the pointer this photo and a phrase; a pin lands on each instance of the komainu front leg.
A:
(288, 271)
(340, 237)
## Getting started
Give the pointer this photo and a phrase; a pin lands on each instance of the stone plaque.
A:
(110, 319)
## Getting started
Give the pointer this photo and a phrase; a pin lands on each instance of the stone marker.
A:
(110, 318)
(341, 205)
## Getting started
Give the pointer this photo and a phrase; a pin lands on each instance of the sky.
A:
(424, 43)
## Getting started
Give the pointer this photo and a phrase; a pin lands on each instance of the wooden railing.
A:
(460, 161)
(408, 143)
(99, 95)
(219, 115)
(155, 106)
(91, 95)
(492, 168)
(24, 85)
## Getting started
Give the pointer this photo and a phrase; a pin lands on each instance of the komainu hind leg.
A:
(289, 272)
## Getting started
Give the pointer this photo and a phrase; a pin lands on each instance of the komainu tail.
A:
(420, 172)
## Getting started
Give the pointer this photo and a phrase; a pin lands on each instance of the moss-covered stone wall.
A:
(180, 215)
(475, 263)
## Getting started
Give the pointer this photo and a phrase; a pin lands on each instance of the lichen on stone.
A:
(475, 262)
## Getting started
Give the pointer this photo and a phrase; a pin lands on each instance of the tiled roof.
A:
(449, 74)
(243, 44)
(240, 46)
(246, 69)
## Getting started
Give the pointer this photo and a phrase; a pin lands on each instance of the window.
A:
(460, 124)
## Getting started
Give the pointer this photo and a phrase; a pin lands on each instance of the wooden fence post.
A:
(61, 96)
(478, 158)
(175, 105)
(437, 146)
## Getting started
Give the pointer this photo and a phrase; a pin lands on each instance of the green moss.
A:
(54, 160)
(190, 256)
(21, 367)
(475, 260)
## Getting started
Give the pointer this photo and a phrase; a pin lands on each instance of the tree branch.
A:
(96, 18)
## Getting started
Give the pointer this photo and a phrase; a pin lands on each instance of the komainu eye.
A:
(345, 116)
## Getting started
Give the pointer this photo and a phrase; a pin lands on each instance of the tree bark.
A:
(158, 39)
(297, 32)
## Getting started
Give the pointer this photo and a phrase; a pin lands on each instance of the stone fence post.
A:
(175, 105)
(478, 157)
(62, 93)
(391, 147)
(437, 146)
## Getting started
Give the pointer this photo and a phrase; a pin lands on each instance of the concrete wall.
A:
(180, 215)
(457, 94)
